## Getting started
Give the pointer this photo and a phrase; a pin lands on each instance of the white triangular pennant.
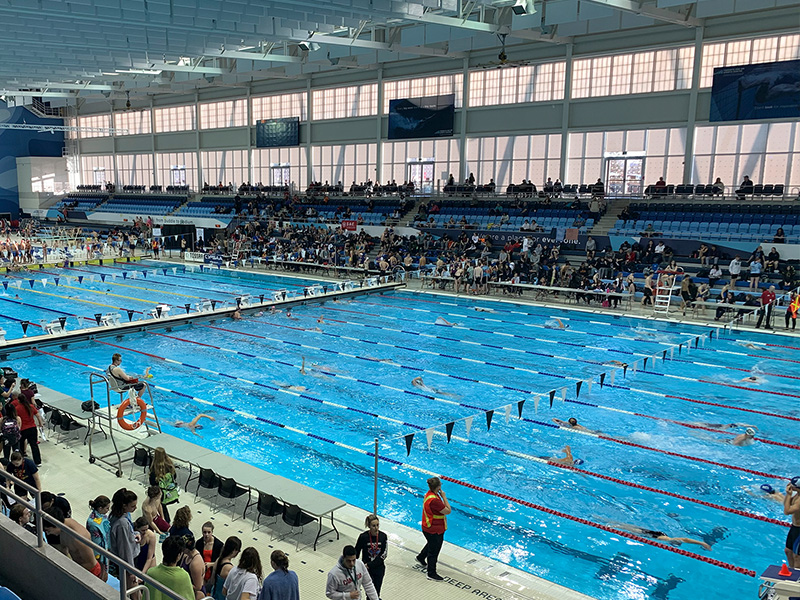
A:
(44, 282)
(133, 274)
(508, 413)
(18, 284)
(563, 394)
(613, 375)
(429, 436)
(672, 353)
(174, 270)
(154, 272)
(633, 367)
(468, 423)
(703, 341)
(588, 386)
(113, 277)
(536, 404)
(80, 321)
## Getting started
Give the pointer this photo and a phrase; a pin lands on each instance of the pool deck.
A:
(468, 575)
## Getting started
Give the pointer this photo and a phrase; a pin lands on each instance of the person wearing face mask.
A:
(372, 546)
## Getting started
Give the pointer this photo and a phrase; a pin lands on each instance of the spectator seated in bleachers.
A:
(745, 189)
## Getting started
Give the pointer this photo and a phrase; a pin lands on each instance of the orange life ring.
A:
(127, 425)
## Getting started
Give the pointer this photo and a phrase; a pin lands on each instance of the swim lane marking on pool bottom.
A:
(420, 428)
(655, 543)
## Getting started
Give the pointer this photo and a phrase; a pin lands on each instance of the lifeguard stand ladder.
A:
(665, 286)
(108, 412)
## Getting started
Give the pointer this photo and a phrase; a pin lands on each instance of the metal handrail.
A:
(40, 516)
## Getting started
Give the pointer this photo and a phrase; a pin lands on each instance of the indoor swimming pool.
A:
(653, 457)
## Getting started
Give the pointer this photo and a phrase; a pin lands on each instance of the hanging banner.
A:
(409, 439)
(680, 347)
(468, 423)
(448, 428)
(174, 270)
(165, 272)
(133, 275)
(98, 317)
(62, 321)
(602, 379)
(44, 282)
(213, 304)
(158, 309)
(589, 387)
(703, 341)
(578, 385)
(520, 404)
(124, 274)
(633, 368)
(536, 400)
(102, 277)
(613, 376)
(56, 279)
(187, 307)
(664, 355)
(552, 396)
(25, 327)
(645, 363)
(261, 298)
(18, 284)
(624, 371)
(429, 436)
(489, 414)
(672, 353)
(80, 321)
(113, 277)
(154, 272)
(31, 282)
(508, 413)
(5, 285)
(563, 394)
(144, 274)
(130, 315)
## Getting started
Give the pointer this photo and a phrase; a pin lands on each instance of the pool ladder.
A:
(108, 414)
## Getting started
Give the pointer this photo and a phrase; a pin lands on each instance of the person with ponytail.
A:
(99, 526)
(223, 566)
(29, 416)
(281, 584)
(123, 541)
(244, 580)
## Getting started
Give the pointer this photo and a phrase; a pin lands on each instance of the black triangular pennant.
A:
(696, 341)
(578, 385)
(489, 415)
(552, 395)
(31, 281)
(624, 370)
(62, 321)
(305, 292)
(80, 278)
(261, 298)
(238, 302)
(124, 274)
(103, 277)
(448, 428)
(41, 267)
(283, 295)
(25, 327)
(187, 307)
(213, 304)
(664, 355)
(680, 347)
(97, 317)
(409, 439)
(158, 309)
(324, 289)
(645, 363)
(520, 404)
(5, 285)
(130, 315)
(602, 379)
(711, 335)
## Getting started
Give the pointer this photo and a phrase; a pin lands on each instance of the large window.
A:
(510, 159)
(634, 73)
(135, 121)
(175, 118)
(511, 85)
(443, 153)
(662, 150)
(345, 102)
(767, 152)
(225, 166)
(745, 52)
(269, 161)
(135, 169)
(282, 106)
(436, 85)
(177, 168)
(95, 122)
(345, 163)
(217, 115)
(97, 169)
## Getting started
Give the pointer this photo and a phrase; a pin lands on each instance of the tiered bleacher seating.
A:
(143, 204)
(81, 202)
(557, 215)
(133, 189)
(711, 222)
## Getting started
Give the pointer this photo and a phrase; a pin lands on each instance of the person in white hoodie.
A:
(346, 579)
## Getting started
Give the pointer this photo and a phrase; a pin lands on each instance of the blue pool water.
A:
(360, 362)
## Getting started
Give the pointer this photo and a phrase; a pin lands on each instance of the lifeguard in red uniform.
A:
(435, 507)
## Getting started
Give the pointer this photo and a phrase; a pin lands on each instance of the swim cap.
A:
(796, 481)
(577, 462)
(750, 431)
(767, 488)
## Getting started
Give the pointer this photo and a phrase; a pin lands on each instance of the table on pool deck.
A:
(315, 503)
(69, 405)
(783, 588)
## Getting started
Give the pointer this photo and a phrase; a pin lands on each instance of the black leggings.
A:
(7, 448)
(30, 436)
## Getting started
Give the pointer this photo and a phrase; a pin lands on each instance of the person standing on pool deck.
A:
(435, 509)
(791, 506)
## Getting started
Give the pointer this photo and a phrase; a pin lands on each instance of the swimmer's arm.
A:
(559, 422)
(791, 502)
(686, 540)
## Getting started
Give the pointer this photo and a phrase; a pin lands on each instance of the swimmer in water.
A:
(753, 379)
(744, 439)
(294, 388)
(571, 423)
(753, 346)
(193, 424)
(237, 315)
(443, 321)
(417, 382)
(661, 536)
(568, 459)
(768, 492)
(557, 325)
(481, 309)
(616, 363)
(723, 426)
